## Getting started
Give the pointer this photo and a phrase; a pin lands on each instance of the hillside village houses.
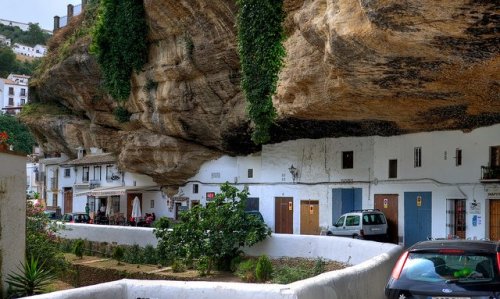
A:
(13, 93)
(4, 41)
(37, 51)
(434, 184)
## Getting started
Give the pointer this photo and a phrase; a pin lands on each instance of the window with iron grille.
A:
(11, 101)
(109, 172)
(195, 188)
(417, 157)
(54, 199)
(250, 173)
(97, 173)
(67, 172)
(11, 91)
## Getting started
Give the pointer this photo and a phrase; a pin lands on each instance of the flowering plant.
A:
(4, 137)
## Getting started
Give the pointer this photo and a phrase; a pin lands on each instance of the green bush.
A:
(246, 270)
(178, 266)
(202, 266)
(121, 114)
(32, 279)
(264, 269)
(286, 274)
(149, 255)
(79, 248)
(118, 253)
(261, 51)
(119, 42)
(319, 266)
(133, 255)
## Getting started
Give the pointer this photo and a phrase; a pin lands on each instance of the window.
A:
(393, 168)
(152, 204)
(340, 222)
(347, 160)
(252, 204)
(458, 157)
(109, 172)
(195, 188)
(215, 175)
(97, 173)
(11, 91)
(115, 201)
(352, 221)
(417, 157)
(85, 174)
(11, 101)
(23, 101)
(495, 156)
(250, 173)
(54, 199)
(23, 92)
(67, 172)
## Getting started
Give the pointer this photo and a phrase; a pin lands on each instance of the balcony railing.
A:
(490, 174)
(94, 184)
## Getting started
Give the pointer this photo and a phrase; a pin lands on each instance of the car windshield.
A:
(448, 268)
(373, 219)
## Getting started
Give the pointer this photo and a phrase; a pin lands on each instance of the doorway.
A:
(388, 204)
(345, 200)
(495, 219)
(283, 217)
(418, 217)
(455, 218)
(309, 217)
(68, 200)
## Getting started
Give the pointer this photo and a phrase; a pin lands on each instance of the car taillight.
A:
(396, 272)
(498, 261)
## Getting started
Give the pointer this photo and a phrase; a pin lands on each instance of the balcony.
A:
(490, 174)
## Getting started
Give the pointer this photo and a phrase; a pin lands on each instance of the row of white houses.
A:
(435, 184)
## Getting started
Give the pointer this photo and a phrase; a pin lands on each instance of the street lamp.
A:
(294, 172)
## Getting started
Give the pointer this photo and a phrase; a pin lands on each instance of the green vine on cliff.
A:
(261, 51)
(119, 41)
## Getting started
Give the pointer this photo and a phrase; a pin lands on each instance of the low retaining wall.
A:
(372, 264)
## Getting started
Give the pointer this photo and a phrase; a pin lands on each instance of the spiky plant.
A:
(32, 279)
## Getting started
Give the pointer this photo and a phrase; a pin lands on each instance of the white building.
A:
(95, 179)
(435, 184)
(4, 41)
(13, 93)
(37, 51)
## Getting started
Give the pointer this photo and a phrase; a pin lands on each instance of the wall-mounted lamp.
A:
(294, 172)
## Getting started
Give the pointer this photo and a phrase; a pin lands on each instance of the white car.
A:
(363, 224)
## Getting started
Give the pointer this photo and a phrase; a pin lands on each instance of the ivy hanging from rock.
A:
(261, 51)
(119, 41)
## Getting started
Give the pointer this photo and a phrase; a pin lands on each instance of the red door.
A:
(388, 204)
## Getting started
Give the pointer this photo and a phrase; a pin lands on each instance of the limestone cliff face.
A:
(352, 68)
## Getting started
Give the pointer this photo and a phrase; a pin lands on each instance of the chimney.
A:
(70, 12)
(56, 23)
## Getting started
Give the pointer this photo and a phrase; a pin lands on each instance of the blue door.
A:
(418, 217)
(345, 200)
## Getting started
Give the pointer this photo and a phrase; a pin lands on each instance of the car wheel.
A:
(356, 237)
(329, 234)
(392, 294)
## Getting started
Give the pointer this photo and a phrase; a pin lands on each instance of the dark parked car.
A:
(53, 215)
(76, 218)
(447, 269)
(256, 214)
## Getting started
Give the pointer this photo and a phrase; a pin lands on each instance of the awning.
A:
(110, 191)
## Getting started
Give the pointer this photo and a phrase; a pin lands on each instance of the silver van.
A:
(363, 224)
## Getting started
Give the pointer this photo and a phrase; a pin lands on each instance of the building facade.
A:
(37, 51)
(13, 93)
(430, 185)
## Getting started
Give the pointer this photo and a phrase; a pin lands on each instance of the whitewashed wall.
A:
(12, 214)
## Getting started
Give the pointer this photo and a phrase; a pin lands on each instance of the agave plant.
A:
(31, 279)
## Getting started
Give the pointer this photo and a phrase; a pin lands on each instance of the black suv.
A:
(447, 269)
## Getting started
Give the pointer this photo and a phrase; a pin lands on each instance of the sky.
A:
(35, 11)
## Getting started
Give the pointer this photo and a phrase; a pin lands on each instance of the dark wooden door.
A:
(68, 201)
(309, 217)
(459, 218)
(495, 219)
(388, 204)
(130, 200)
(284, 215)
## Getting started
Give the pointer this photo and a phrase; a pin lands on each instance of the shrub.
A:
(133, 255)
(121, 114)
(319, 266)
(286, 274)
(246, 270)
(32, 279)
(178, 266)
(264, 269)
(78, 248)
(150, 256)
(118, 254)
(202, 266)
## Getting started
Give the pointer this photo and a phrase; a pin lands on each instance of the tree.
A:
(19, 135)
(213, 233)
(8, 61)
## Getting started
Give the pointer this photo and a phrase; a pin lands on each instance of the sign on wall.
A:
(474, 207)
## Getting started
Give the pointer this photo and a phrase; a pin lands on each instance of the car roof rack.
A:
(366, 210)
